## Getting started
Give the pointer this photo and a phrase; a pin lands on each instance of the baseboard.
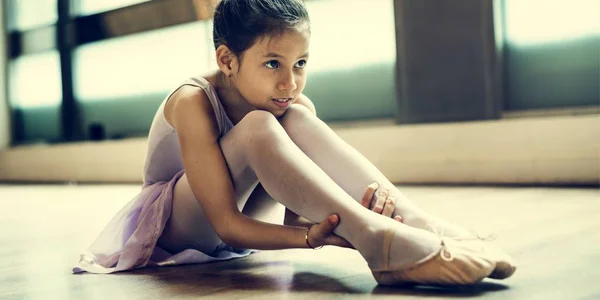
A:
(552, 112)
(558, 150)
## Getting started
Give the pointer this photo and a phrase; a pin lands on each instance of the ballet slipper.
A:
(456, 263)
(505, 265)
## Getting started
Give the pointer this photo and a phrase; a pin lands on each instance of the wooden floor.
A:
(553, 233)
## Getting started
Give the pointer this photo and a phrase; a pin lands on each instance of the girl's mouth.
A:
(282, 102)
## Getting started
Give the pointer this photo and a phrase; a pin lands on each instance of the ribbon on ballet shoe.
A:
(476, 236)
(439, 231)
(445, 254)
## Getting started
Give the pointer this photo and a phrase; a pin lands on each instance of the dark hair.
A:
(238, 23)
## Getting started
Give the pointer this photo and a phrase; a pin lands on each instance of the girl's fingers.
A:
(326, 227)
(388, 208)
(381, 198)
(368, 196)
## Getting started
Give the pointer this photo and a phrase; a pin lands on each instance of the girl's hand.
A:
(322, 234)
(385, 203)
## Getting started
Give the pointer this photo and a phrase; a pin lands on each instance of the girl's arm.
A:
(191, 114)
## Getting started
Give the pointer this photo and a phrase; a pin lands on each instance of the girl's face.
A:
(272, 72)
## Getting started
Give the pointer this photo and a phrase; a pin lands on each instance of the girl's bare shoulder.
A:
(189, 109)
(212, 78)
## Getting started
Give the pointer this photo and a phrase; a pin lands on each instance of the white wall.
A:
(558, 150)
(4, 111)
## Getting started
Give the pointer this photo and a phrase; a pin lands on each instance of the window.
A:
(349, 38)
(141, 63)
(552, 48)
(90, 7)
(543, 21)
(34, 80)
(26, 14)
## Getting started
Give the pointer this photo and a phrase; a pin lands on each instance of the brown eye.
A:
(301, 64)
(272, 64)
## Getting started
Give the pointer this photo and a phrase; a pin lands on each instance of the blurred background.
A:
(91, 70)
(485, 112)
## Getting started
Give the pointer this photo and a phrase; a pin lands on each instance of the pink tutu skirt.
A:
(129, 241)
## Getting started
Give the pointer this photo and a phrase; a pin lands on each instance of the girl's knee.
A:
(259, 116)
(297, 111)
(259, 126)
(257, 119)
(295, 116)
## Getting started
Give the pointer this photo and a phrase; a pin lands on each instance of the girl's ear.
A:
(226, 60)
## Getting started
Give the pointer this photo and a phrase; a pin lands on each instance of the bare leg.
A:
(350, 169)
(261, 206)
(260, 143)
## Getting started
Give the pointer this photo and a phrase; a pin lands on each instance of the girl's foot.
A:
(415, 217)
(505, 265)
(404, 245)
(455, 263)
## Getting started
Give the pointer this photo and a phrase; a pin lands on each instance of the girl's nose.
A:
(288, 83)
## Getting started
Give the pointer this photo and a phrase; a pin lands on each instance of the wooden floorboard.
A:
(552, 232)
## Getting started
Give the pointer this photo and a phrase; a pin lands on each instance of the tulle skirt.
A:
(129, 241)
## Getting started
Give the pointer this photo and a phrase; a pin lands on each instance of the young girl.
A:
(222, 143)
